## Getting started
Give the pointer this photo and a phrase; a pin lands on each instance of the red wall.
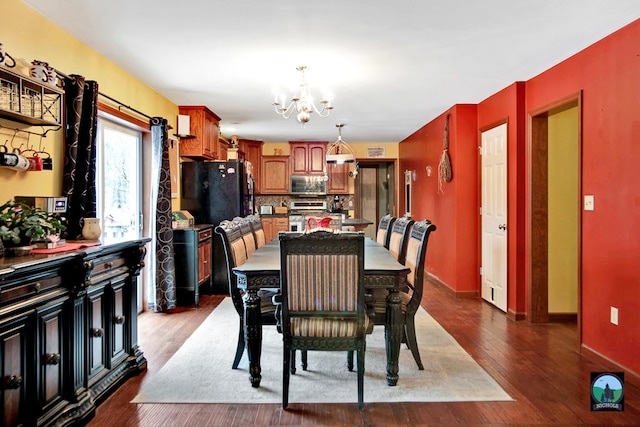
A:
(608, 75)
(452, 255)
(508, 106)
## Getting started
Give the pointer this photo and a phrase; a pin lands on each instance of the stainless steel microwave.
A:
(308, 185)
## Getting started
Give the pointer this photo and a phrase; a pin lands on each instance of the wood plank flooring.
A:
(538, 365)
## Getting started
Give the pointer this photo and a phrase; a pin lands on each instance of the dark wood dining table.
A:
(262, 271)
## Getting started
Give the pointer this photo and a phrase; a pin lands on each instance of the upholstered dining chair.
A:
(384, 230)
(398, 238)
(247, 235)
(258, 231)
(322, 286)
(236, 255)
(410, 298)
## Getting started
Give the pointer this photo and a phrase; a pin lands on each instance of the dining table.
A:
(261, 271)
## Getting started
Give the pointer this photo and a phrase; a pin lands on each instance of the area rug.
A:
(200, 371)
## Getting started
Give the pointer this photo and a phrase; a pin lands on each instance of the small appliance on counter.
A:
(266, 210)
(56, 205)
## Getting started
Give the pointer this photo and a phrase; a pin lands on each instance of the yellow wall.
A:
(563, 211)
(28, 36)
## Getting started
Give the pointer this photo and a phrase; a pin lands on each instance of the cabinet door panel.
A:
(51, 355)
(97, 349)
(317, 159)
(275, 175)
(118, 320)
(15, 378)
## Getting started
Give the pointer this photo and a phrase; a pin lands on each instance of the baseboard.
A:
(562, 318)
(458, 294)
(516, 316)
(629, 375)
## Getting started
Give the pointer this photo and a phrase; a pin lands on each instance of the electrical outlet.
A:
(614, 315)
(589, 202)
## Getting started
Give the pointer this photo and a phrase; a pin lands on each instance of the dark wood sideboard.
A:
(192, 251)
(68, 332)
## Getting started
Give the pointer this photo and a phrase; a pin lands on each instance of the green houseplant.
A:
(21, 225)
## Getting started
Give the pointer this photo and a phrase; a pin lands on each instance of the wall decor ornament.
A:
(445, 174)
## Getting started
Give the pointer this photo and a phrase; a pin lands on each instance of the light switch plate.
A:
(614, 315)
(589, 202)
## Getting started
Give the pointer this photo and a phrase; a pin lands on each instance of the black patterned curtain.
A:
(79, 184)
(165, 287)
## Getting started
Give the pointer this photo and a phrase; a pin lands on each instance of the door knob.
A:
(502, 227)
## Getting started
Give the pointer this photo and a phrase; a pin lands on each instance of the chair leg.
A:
(292, 367)
(239, 348)
(304, 360)
(286, 356)
(350, 360)
(360, 357)
(412, 343)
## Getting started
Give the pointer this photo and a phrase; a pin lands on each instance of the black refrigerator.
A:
(212, 192)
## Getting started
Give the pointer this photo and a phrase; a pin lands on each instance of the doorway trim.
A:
(537, 210)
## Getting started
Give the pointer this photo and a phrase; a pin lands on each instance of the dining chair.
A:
(410, 297)
(236, 255)
(247, 235)
(322, 286)
(398, 238)
(258, 231)
(384, 230)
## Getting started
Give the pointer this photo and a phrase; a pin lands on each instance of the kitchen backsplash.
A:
(347, 201)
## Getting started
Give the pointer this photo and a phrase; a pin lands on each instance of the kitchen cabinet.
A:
(29, 101)
(338, 178)
(252, 151)
(68, 332)
(223, 147)
(308, 158)
(205, 132)
(275, 175)
(272, 225)
(192, 253)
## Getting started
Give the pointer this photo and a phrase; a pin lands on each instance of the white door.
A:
(494, 216)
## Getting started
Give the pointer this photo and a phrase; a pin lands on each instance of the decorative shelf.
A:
(29, 101)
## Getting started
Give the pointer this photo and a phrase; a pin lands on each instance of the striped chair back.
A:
(235, 255)
(384, 230)
(398, 238)
(258, 232)
(322, 283)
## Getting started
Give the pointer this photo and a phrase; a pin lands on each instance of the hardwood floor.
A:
(538, 365)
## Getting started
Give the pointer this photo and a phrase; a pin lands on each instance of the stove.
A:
(299, 210)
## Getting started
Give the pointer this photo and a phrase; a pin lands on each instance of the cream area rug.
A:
(200, 371)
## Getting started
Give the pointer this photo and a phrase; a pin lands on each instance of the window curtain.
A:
(79, 183)
(160, 220)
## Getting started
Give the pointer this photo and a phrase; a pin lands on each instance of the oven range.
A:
(299, 210)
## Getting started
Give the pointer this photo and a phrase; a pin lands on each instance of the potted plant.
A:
(21, 225)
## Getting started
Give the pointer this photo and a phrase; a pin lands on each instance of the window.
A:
(118, 180)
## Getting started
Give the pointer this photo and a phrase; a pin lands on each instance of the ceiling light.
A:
(302, 102)
(339, 152)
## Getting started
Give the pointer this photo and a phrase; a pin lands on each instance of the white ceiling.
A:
(392, 66)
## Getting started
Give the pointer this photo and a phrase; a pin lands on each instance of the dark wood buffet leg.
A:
(393, 335)
(253, 335)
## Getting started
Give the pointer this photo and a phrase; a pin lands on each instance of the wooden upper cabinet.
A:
(252, 152)
(205, 129)
(275, 175)
(338, 179)
(308, 157)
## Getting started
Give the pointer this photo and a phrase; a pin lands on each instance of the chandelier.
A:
(339, 152)
(302, 102)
